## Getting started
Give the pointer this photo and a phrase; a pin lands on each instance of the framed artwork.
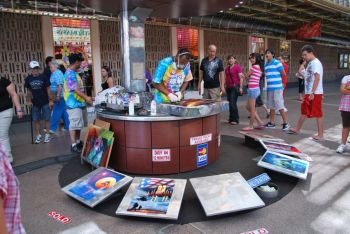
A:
(96, 186)
(260, 136)
(153, 198)
(97, 146)
(280, 147)
(285, 164)
(344, 61)
(225, 193)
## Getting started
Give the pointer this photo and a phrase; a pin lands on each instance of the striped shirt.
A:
(273, 75)
(254, 80)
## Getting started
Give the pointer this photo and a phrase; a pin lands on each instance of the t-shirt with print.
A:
(314, 66)
(71, 82)
(211, 72)
(38, 86)
(171, 77)
(273, 75)
(345, 98)
(232, 75)
(5, 99)
(56, 79)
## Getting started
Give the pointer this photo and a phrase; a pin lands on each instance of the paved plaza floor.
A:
(317, 205)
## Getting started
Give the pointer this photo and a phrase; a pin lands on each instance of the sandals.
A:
(246, 129)
(233, 123)
(314, 138)
(292, 132)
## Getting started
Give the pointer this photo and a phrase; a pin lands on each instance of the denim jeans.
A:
(232, 96)
(59, 111)
(6, 119)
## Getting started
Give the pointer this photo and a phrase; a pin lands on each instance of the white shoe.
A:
(38, 139)
(341, 149)
(47, 138)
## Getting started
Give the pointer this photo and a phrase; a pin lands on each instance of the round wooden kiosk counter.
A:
(142, 143)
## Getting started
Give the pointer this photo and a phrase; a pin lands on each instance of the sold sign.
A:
(60, 218)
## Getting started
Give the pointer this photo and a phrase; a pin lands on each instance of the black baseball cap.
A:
(75, 57)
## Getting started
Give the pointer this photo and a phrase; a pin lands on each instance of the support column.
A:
(173, 41)
(133, 47)
(47, 35)
(96, 55)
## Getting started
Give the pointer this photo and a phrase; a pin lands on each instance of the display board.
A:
(96, 186)
(260, 136)
(153, 198)
(72, 36)
(285, 164)
(283, 148)
(225, 193)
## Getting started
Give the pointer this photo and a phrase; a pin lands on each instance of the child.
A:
(345, 112)
(254, 90)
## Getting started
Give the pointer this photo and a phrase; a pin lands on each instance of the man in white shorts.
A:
(76, 100)
(274, 72)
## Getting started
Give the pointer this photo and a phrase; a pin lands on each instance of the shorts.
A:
(253, 93)
(213, 93)
(41, 113)
(77, 118)
(345, 115)
(312, 108)
(275, 100)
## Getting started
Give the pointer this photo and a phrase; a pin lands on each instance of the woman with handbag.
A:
(254, 76)
(234, 87)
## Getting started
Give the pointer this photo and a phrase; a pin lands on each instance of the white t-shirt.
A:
(314, 66)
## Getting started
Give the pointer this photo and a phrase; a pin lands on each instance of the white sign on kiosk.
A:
(201, 139)
(161, 155)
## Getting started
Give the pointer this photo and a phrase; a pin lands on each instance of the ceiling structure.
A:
(269, 17)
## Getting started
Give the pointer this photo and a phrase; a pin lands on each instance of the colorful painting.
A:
(284, 164)
(98, 146)
(159, 198)
(96, 186)
(153, 196)
(281, 148)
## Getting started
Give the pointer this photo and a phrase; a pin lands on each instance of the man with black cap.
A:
(274, 72)
(76, 100)
(38, 93)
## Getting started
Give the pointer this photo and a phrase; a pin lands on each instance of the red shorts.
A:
(312, 108)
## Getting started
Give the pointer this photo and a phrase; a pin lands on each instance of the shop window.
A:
(258, 45)
(285, 51)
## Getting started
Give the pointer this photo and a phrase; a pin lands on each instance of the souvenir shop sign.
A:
(201, 139)
(202, 155)
(64, 36)
(60, 218)
(161, 155)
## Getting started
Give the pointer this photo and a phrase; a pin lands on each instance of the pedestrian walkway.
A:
(318, 205)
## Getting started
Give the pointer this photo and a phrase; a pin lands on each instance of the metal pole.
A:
(125, 46)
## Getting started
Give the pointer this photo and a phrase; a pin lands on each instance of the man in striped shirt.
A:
(274, 72)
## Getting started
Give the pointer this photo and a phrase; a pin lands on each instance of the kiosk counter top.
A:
(163, 144)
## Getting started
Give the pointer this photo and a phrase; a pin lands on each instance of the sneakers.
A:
(341, 149)
(80, 145)
(285, 127)
(47, 138)
(75, 149)
(270, 125)
(38, 139)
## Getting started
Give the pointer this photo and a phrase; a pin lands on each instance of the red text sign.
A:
(161, 155)
(59, 217)
(200, 139)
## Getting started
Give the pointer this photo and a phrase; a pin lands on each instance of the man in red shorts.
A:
(311, 106)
